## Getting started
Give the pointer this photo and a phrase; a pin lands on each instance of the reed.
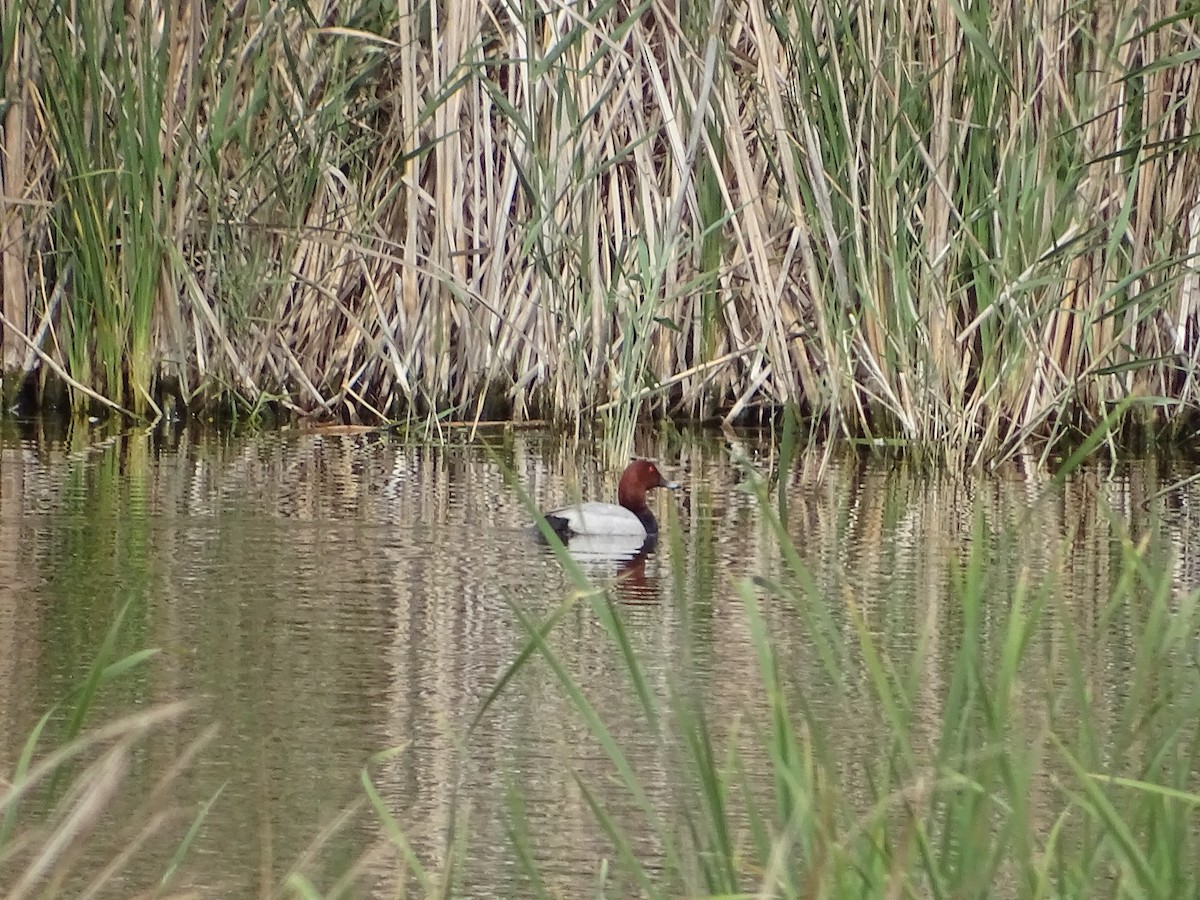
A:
(959, 227)
(103, 100)
(1022, 784)
(67, 794)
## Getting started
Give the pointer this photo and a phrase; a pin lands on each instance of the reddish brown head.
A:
(640, 476)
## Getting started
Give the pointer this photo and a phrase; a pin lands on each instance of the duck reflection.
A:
(619, 560)
(633, 586)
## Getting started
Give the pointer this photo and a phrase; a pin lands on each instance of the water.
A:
(322, 599)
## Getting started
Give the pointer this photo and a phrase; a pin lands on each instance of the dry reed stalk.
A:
(14, 289)
(50, 855)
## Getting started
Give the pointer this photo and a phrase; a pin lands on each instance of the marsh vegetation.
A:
(960, 225)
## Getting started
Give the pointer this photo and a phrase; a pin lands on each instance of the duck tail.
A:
(559, 526)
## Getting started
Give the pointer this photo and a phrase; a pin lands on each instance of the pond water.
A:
(320, 599)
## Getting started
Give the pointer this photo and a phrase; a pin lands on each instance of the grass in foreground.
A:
(58, 799)
(1059, 761)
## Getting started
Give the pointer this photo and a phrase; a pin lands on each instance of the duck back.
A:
(595, 519)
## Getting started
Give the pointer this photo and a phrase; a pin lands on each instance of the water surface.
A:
(324, 598)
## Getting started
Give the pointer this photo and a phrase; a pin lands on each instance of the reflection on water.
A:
(325, 598)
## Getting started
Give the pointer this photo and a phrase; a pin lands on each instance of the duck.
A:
(629, 517)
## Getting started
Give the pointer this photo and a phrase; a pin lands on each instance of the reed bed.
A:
(964, 226)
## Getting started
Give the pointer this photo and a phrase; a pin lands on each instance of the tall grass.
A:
(962, 225)
(1009, 290)
(60, 802)
(996, 769)
(103, 99)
